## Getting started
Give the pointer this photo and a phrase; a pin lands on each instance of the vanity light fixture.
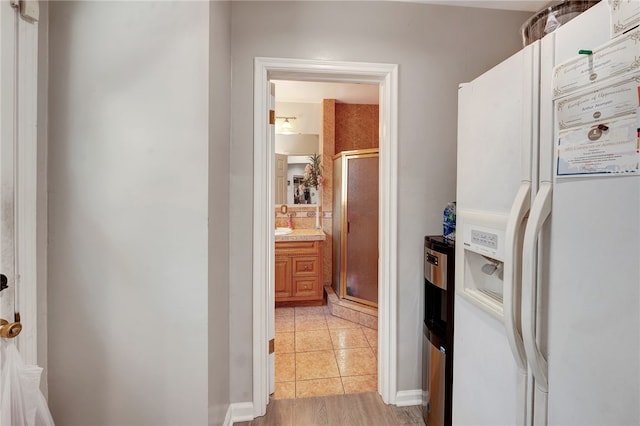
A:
(286, 128)
(287, 125)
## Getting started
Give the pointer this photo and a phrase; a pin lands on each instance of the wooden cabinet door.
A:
(283, 276)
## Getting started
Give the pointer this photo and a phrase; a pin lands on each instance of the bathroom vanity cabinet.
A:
(298, 273)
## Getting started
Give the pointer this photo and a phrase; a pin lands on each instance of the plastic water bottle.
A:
(449, 221)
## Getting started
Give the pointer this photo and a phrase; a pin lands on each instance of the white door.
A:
(495, 138)
(19, 172)
(8, 19)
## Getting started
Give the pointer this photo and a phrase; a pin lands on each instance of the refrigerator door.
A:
(497, 115)
(588, 274)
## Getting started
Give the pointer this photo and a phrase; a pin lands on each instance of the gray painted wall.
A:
(128, 208)
(219, 127)
(437, 47)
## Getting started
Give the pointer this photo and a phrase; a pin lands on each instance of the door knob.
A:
(3, 282)
(9, 330)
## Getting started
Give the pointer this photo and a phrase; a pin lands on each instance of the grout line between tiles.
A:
(297, 315)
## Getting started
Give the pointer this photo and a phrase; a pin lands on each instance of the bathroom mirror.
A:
(292, 156)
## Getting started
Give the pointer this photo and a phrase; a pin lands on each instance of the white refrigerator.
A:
(547, 317)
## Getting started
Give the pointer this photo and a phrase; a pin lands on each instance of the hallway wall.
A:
(437, 47)
(128, 210)
(219, 137)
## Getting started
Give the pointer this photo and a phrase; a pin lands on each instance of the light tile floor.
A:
(318, 354)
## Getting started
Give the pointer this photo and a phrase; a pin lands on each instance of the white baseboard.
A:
(409, 397)
(239, 412)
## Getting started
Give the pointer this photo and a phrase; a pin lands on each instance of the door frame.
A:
(386, 76)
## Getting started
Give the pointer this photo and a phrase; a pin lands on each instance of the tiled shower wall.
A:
(328, 142)
(356, 127)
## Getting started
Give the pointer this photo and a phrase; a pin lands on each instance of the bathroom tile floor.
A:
(318, 354)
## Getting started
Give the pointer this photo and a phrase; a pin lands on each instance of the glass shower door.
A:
(360, 250)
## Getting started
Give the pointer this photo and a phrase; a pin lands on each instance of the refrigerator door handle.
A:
(540, 211)
(512, 263)
(511, 292)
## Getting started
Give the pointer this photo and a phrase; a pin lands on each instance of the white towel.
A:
(21, 402)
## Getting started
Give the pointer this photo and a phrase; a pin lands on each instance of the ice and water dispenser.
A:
(437, 342)
(481, 255)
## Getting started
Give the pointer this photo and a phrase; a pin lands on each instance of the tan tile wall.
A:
(328, 141)
(328, 151)
(302, 217)
(356, 127)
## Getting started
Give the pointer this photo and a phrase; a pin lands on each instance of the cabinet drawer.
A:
(305, 265)
(305, 286)
(296, 247)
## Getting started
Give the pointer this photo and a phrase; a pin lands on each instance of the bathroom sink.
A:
(283, 231)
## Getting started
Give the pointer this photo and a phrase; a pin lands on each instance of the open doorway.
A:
(384, 75)
(326, 319)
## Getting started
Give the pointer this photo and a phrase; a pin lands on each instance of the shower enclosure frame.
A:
(341, 226)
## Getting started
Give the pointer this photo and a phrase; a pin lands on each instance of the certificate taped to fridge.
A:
(600, 149)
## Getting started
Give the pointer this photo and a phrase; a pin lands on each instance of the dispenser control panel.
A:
(484, 240)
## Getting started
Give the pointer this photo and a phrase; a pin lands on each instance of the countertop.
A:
(303, 235)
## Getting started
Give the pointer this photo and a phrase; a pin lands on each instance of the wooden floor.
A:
(365, 409)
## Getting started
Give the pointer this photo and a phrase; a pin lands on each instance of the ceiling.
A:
(312, 92)
(521, 5)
